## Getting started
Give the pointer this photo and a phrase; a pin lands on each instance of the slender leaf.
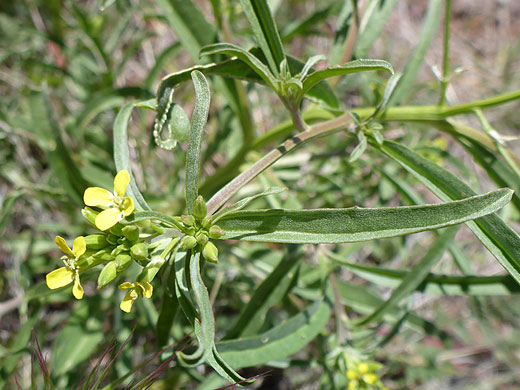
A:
(122, 154)
(266, 33)
(279, 342)
(198, 121)
(356, 224)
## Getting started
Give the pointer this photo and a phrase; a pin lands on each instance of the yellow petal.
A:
(77, 290)
(79, 246)
(127, 302)
(121, 181)
(128, 206)
(59, 277)
(60, 242)
(125, 285)
(147, 289)
(108, 218)
(97, 196)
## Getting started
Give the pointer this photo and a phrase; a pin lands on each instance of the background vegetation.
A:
(67, 68)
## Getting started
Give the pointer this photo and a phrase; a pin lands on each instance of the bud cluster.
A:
(198, 230)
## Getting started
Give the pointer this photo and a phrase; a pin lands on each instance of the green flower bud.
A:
(206, 222)
(210, 252)
(96, 241)
(145, 223)
(199, 208)
(107, 274)
(116, 230)
(202, 238)
(122, 261)
(188, 220)
(131, 232)
(112, 239)
(216, 231)
(90, 215)
(188, 242)
(139, 251)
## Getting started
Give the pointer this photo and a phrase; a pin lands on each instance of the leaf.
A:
(411, 69)
(266, 33)
(389, 90)
(198, 121)
(415, 277)
(360, 147)
(347, 68)
(122, 154)
(434, 283)
(279, 342)
(245, 56)
(268, 293)
(356, 224)
(244, 202)
(497, 237)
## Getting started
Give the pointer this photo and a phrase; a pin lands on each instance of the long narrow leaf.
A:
(356, 224)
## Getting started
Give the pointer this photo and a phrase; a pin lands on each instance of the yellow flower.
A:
(143, 288)
(116, 204)
(370, 379)
(62, 276)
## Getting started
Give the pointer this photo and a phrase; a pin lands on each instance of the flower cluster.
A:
(363, 375)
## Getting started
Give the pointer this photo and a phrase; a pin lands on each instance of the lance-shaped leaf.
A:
(502, 241)
(356, 224)
(339, 70)
(122, 155)
(279, 342)
(259, 16)
(252, 61)
(198, 121)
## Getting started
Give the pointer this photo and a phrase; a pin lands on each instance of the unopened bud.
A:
(206, 222)
(145, 223)
(122, 261)
(188, 220)
(188, 242)
(139, 251)
(216, 231)
(131, 232)
(116, 230)
(90, 215)
(210, 252)
(107, 274)
(112, 239)
(96, 241)
(202, 238)
(199, 208)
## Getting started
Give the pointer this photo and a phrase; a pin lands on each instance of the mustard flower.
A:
(116, 204)
(138, 288)
(65, 275)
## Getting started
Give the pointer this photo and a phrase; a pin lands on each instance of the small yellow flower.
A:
(363, 368)
(65, 275)
(116, 204)
(370, 379)
(143, 288)
(351, 374)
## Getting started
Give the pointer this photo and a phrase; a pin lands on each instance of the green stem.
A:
(445, 78)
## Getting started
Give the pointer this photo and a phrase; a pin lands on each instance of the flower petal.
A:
(147, 289)
(127, 302)
(62, 244)
(59, 277)
(128, 206)
(108, 218)
(97, 196)
(79, 246)
(121, 181)
(125, 285)
(77, 290)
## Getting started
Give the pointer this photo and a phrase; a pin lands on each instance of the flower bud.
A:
(122, 261)
(96, 241)
(112, 239)
(139, 251)
(210, 252)
(131, 232)
(206, 222)
(145, 223)
(90, 215)
(188, 242)
(116, 230)
(202, 238)
(216, 231)
(199, 208)
(188, 220)
(107, 274)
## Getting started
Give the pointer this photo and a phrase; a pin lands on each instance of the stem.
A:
(270, 158)
(446, 56)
